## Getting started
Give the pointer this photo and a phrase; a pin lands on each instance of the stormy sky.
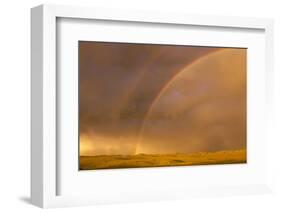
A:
(144, 98)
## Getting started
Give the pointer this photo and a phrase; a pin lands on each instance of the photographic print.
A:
(154, 105)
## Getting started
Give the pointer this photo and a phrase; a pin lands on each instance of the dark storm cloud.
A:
(118, 82)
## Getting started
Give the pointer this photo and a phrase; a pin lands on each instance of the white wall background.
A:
(15, 105)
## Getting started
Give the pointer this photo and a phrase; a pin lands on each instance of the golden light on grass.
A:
(160, 160)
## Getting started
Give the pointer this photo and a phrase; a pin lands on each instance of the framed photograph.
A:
(130, 106)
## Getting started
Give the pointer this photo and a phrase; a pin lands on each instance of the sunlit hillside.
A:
(153, 160)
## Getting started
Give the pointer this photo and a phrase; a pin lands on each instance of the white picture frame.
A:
(45, 156)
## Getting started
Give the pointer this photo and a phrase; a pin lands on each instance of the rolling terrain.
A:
(160, 160)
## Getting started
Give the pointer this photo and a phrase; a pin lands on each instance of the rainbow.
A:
(162, 91)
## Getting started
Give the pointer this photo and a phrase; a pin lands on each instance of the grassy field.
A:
(153, 160)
